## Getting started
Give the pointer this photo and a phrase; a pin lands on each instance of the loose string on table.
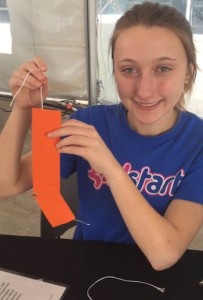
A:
(160, 289)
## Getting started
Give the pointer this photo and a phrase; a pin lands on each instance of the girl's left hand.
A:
(83, 140)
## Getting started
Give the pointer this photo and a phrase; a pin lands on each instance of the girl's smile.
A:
(148, 106)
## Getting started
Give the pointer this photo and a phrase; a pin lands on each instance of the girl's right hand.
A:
(29, 95)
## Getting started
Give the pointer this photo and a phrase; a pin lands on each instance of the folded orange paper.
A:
(46, 167)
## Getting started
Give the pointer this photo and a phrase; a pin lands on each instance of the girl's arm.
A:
(15, 169)
(163, 239)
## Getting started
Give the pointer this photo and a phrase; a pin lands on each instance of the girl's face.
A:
(150, 67)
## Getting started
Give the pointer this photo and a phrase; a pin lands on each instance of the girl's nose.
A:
(145, 87)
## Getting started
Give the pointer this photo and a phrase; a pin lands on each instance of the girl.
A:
(139, 163)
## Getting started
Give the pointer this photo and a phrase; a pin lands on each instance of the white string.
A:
(14, 97)
(124, 280)
(41, 98)
(85, 223)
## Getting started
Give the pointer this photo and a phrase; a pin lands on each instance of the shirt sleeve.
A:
(191, 187)
(68, 161)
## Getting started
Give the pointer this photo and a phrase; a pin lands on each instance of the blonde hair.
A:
(151, 14)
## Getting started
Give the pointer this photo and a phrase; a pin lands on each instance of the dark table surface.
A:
(79, 264)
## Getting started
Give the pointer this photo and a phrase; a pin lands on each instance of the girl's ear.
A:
(189, 78)
(190, 70)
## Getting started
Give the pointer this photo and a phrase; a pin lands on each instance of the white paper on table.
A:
(18, 287)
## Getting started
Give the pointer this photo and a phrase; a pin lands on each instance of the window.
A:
(4, 16)
(5, 34)
(196, 16)
(119, 6)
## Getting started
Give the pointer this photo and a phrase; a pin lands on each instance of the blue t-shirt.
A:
(164, 167)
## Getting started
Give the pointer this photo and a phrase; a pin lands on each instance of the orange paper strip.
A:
(53, 205)
(46, 167)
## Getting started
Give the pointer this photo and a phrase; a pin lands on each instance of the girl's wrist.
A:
(115, 173)
(21, 109)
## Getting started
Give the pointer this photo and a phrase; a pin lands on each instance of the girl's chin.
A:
(143, 117)
(150, 123)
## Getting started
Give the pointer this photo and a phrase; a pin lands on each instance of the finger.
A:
(35, 68)
(19, 77)
(75, 122)
(73, 130)
(62, 132)
(79, 141)
(37, 63)
(40, 64)
(75, 150)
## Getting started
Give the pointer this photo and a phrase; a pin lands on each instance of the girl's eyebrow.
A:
(163, 58)
(166, 58)
(127, 60)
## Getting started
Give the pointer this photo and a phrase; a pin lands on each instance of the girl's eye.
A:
(129, 70)
(164, 69)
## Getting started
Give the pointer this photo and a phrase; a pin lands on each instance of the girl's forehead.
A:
(153, 41)
(149, 34)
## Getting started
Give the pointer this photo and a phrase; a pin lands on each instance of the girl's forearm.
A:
(11, 144)
(151, 231)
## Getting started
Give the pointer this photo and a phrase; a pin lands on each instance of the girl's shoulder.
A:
(192, 120)
(94, 113)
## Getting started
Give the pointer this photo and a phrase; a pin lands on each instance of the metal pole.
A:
(92, 50)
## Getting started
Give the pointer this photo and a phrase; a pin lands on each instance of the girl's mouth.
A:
(148, 106)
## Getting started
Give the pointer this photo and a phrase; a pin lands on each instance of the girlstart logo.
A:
(145, 180)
